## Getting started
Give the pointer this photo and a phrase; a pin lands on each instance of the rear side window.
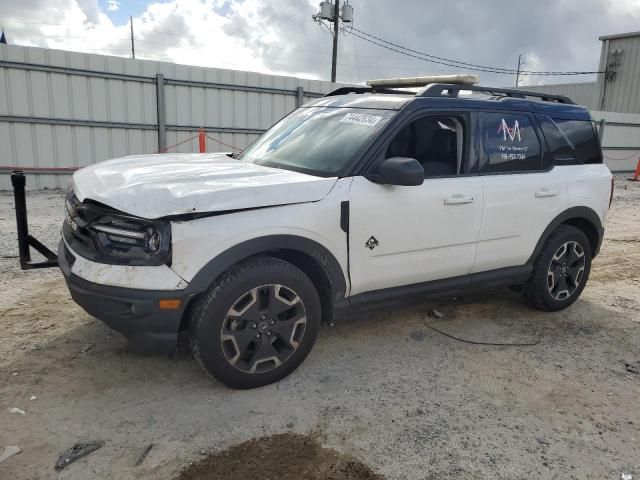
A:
(510, 143)
(582, 135)
(561, 150)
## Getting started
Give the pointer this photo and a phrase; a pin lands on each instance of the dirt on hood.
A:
(286, 456)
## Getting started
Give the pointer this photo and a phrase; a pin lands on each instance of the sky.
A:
(280, 37)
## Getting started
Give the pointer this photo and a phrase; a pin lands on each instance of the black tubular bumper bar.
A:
(26, 241)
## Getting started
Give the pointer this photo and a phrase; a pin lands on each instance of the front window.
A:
(318, 140)
(436, 142)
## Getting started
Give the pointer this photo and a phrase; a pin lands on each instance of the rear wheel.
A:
(256, 324)
(561, 270)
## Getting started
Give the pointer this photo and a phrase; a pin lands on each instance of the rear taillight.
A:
(611, 195)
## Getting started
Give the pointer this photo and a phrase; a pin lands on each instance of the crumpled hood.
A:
(154, 186)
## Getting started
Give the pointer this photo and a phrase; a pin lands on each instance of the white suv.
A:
(368, 197)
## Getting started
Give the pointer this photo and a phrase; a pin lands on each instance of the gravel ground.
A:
(385, 389)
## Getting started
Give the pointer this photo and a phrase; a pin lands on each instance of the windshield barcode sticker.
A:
(361, 119)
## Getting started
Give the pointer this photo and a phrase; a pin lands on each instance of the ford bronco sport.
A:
(367, 197)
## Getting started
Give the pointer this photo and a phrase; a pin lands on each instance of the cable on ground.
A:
(473, 342)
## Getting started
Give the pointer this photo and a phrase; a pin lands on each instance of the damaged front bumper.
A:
(135, 313)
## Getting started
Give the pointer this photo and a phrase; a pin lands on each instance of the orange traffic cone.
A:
(636, 175)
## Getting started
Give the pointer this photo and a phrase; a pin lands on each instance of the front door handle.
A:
(458, 199)
(546, 192)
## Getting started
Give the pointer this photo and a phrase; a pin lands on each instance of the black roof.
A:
(453, 96)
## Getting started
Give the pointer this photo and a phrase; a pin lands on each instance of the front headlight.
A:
(108, 236)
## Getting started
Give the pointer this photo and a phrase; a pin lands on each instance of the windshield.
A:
(317, 140)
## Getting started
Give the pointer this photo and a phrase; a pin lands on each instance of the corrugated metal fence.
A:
(621, 139)
(62, 110)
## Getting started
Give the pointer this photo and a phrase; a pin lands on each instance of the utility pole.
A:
(336, 25)
(519, 65)
(133, 46)
(332, 13)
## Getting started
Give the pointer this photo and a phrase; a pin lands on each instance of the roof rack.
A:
(346, 90)
(449, 89)
(452, 90)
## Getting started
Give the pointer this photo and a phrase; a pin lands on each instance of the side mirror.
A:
(401, 171)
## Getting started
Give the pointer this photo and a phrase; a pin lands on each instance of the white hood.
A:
(153, 186)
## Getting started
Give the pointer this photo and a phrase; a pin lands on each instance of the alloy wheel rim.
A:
(566, 270)
(263, 328)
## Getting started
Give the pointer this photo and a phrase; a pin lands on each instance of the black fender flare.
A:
(272, 243)
(573, 213)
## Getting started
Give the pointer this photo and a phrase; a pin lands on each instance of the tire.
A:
(256, 324)
(560, 274)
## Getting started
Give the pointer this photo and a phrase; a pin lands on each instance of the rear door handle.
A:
(458, 199)
(546, 192)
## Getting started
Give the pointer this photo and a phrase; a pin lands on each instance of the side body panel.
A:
(423, 233)
(197, 242)
(517, 209)
(588, 186)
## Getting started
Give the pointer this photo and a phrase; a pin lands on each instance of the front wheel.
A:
(561, 270)
(256, 324)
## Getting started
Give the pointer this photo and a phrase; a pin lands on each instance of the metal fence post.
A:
(601, 129)
(162, 113)
(300, 97)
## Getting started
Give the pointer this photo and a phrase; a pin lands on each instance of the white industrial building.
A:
(618, 88)
(614, 97)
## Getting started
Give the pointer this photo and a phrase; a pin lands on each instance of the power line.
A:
(431, 56)
(453, 63)
(421, 57)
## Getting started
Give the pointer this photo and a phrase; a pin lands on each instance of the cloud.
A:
(113, 5)
(273, 36)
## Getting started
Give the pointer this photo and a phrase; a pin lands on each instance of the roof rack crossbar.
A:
(346, 90)
(438, 89)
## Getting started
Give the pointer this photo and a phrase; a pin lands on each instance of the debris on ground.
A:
(8, 452)
(418, 335)
(17, 411)
(626, 476)
(76, 452)
(144, 454)
(33, 397)
(285, 456)
(632, 367)
(87, 347)
(433, 313)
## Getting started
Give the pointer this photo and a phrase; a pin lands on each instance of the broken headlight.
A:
(105, 235)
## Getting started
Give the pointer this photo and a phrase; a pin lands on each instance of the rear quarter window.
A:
(582, 135)
(510, 143)
(561, 150)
